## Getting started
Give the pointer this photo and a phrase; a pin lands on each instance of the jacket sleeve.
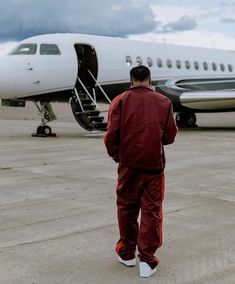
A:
(171, 129)
(112, 136)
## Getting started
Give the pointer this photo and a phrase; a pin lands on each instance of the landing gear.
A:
(47, 115)
(44, 130)
(186, 119)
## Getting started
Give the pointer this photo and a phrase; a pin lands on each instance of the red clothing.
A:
(140, 123)
(135, 190)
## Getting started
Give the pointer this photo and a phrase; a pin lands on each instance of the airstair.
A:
(84, 105)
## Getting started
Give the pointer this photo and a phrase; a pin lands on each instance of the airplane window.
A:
(49, 49)
(214, 67)
(149, 62)
(128, 61)
(169, 63)
(139, 60)
(178, 64)
(196, 65)
(159, 62)
(205, 65)
(230, 68)
(187, 64)
(222, 67)
(25, 48)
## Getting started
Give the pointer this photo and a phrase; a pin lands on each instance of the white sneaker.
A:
(146, 270)
(131, 262)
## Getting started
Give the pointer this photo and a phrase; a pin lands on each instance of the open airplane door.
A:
(83, 103)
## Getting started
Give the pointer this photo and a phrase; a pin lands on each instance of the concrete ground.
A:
(57, 205)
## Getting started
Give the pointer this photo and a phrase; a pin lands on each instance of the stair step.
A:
(89, 107)
(85, 101)
(85, 110)
(92, 112)
(100, 125)
(82, 96)
(96, 118)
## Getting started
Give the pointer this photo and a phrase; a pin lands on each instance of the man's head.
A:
(140, 75)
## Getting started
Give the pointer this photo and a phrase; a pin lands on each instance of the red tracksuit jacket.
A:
(140, 122)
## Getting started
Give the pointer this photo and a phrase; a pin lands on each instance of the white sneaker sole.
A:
(129, 263)
(145, 270)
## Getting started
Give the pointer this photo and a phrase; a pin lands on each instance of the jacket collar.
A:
(141, 86)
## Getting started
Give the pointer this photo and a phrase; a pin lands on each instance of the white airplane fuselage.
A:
(47, 67)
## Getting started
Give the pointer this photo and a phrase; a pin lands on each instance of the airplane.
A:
(84, 69)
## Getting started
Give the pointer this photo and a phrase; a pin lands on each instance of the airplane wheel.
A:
(191, 120)
(39, 129)
(44, 130)
(186, 119)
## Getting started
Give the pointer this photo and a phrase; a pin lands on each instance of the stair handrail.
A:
(102, 90)
(87, 92)
(78, 98)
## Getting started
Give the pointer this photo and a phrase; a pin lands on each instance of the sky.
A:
(208, 23)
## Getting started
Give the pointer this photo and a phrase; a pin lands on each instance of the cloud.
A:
(227, 2)
(23, 18)
(172, 21)
(190, 38)
(228, 20)
(185, 23)
(6, 47)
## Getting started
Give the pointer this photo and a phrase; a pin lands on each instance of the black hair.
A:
(140, 73)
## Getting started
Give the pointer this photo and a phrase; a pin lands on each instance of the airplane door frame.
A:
(87, 59)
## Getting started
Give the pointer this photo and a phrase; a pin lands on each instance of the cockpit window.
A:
(49, 49)
(25, 48)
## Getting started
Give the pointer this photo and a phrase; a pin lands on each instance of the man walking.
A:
(140, 122)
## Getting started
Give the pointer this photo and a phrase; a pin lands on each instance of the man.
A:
(140, 122)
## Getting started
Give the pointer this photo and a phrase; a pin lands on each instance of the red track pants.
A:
(138, 190)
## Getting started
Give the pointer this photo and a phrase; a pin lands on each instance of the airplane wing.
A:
(203, 94)
(212, 100)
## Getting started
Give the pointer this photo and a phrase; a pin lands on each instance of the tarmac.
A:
(58, 213)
